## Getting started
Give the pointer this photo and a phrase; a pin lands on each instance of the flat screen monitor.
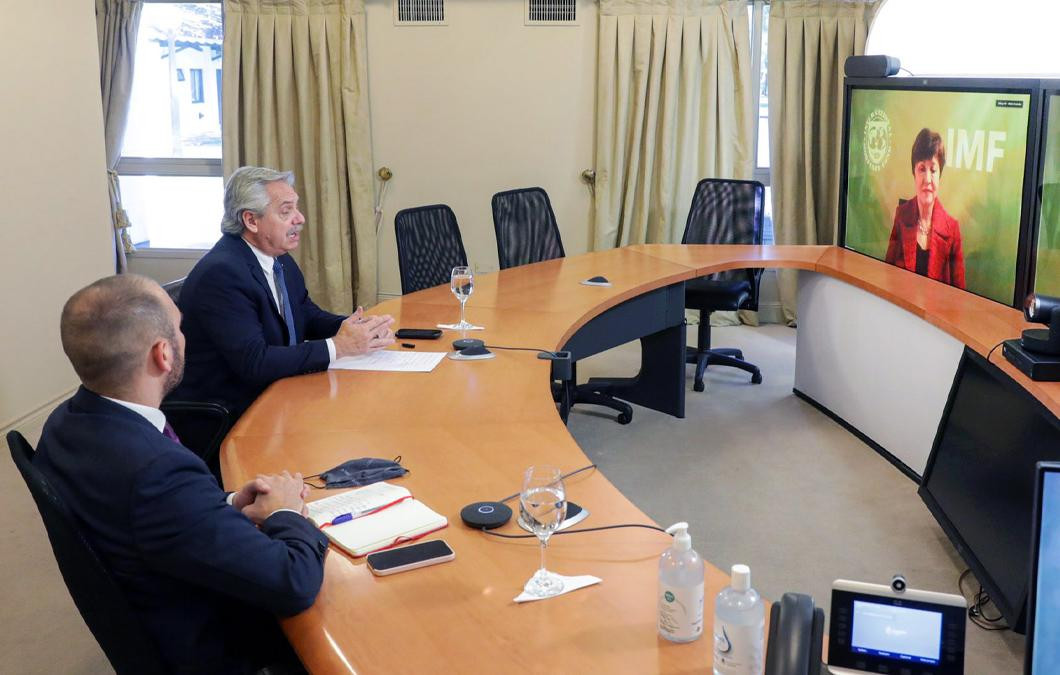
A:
(1047, 255)
(1043, 614)
(979, 479)
(935, 176)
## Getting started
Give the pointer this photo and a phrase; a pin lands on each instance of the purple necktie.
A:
(168, 432)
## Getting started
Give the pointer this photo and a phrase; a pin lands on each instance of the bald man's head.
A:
(109, 327)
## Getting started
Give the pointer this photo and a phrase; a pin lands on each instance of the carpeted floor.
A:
(762, 477)
(765, 479)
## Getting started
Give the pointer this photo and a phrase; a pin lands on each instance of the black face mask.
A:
(364, 471)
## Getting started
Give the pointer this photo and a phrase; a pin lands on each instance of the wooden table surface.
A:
(467, 431)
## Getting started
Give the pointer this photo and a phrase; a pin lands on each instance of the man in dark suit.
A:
(248, 318)
(205, 572)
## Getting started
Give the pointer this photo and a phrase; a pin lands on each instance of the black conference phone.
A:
(796, 637)
(875, 628)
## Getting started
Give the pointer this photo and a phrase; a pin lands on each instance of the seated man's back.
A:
(202, 577)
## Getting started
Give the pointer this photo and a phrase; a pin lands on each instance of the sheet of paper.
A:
(391, 360)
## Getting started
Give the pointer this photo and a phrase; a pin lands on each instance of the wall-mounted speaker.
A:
(871, 66)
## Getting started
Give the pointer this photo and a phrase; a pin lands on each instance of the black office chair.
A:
(200, 426)
(527, 233)
(723, 212)
(429, 246)
(526, 227)
(173, 288)
(117, 629)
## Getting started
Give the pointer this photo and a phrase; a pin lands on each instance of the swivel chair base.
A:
(594, 392)
(704, 356)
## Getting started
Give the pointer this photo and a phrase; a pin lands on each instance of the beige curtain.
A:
(809, 41)
(116, 24)
(295, 97)
(674, 105)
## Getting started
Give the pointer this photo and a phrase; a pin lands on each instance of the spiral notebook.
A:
(372, 518)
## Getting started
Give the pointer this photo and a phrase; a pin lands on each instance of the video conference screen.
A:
(902, 633)
(1047, 263)
(934, 183)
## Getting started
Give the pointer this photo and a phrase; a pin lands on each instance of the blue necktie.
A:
(285, 301)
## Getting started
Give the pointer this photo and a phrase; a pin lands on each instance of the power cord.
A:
(579, 531)
(563, 477)
(990, 353)
(976, 609)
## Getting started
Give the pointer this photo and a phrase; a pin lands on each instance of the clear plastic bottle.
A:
(680, 588)
(739, 627)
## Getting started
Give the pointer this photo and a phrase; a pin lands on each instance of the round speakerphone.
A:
(485, 515)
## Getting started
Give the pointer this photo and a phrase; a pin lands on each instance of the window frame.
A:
(762, 174)
(195, 167)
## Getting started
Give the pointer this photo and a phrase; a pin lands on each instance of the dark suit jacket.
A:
(236, 338)
(203, 578)
(945, 252)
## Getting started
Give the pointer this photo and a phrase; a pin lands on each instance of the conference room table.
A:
(468, 430)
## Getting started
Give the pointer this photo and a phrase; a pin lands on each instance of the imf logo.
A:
(877, 140)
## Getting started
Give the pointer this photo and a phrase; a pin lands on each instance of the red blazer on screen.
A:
(945, 255)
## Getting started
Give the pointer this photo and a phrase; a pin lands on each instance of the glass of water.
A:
(543, 505)
(462, 283)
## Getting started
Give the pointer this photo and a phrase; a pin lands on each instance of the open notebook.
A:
(374, 517)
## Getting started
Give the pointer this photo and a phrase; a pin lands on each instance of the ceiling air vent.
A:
(551, 13)
(419, 12)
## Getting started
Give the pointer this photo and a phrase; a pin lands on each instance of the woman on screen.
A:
(925, 239)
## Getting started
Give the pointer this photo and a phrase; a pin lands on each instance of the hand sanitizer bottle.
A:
(680, 588)
(739, 627)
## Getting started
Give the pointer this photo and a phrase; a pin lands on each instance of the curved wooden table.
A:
(469, 429)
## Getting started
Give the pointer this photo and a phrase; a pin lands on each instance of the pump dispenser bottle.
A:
(680, 588)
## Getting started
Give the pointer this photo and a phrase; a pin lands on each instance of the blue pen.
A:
(347, 517)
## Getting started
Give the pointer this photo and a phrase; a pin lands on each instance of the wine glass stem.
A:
(462, 302)
(544, 544)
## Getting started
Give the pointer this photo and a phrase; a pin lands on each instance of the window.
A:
(759, 25)
(969, 37)
(170, 169)
(196, 85)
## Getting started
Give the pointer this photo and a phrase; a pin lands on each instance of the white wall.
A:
(55, 216)
(481, 105)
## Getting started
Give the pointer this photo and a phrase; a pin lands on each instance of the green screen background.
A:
(1047, 269)
(987, 205)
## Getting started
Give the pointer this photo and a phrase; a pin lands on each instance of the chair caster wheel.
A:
(699, 386)
(756, 378)
(624, 418)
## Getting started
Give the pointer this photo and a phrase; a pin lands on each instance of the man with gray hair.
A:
(204, 572)
(248, 318)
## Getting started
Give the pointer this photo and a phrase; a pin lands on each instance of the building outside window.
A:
(170, 170)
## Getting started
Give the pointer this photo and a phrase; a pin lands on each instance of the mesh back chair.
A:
(723, 212)
(526, 227)
(527, 233)
(200, 426)
(102, 604)
(429, 246)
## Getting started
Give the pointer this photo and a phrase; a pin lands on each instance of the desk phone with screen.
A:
(891, 629)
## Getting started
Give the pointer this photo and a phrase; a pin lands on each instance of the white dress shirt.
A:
(266, 261)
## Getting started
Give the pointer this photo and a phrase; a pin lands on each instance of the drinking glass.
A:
(543, 505)
(462, 283)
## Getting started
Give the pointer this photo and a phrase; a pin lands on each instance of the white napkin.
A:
(453, 326)
(569, 584)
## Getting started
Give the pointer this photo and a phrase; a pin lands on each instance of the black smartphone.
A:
(410, 557)
(418, 333)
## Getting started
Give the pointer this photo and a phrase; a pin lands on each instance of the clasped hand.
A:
(265, 495)
(360, 334)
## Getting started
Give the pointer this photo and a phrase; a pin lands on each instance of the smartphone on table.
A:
(418, 333)
(410, 557)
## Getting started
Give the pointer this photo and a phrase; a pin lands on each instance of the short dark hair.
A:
(928, 144)
(107, 326)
